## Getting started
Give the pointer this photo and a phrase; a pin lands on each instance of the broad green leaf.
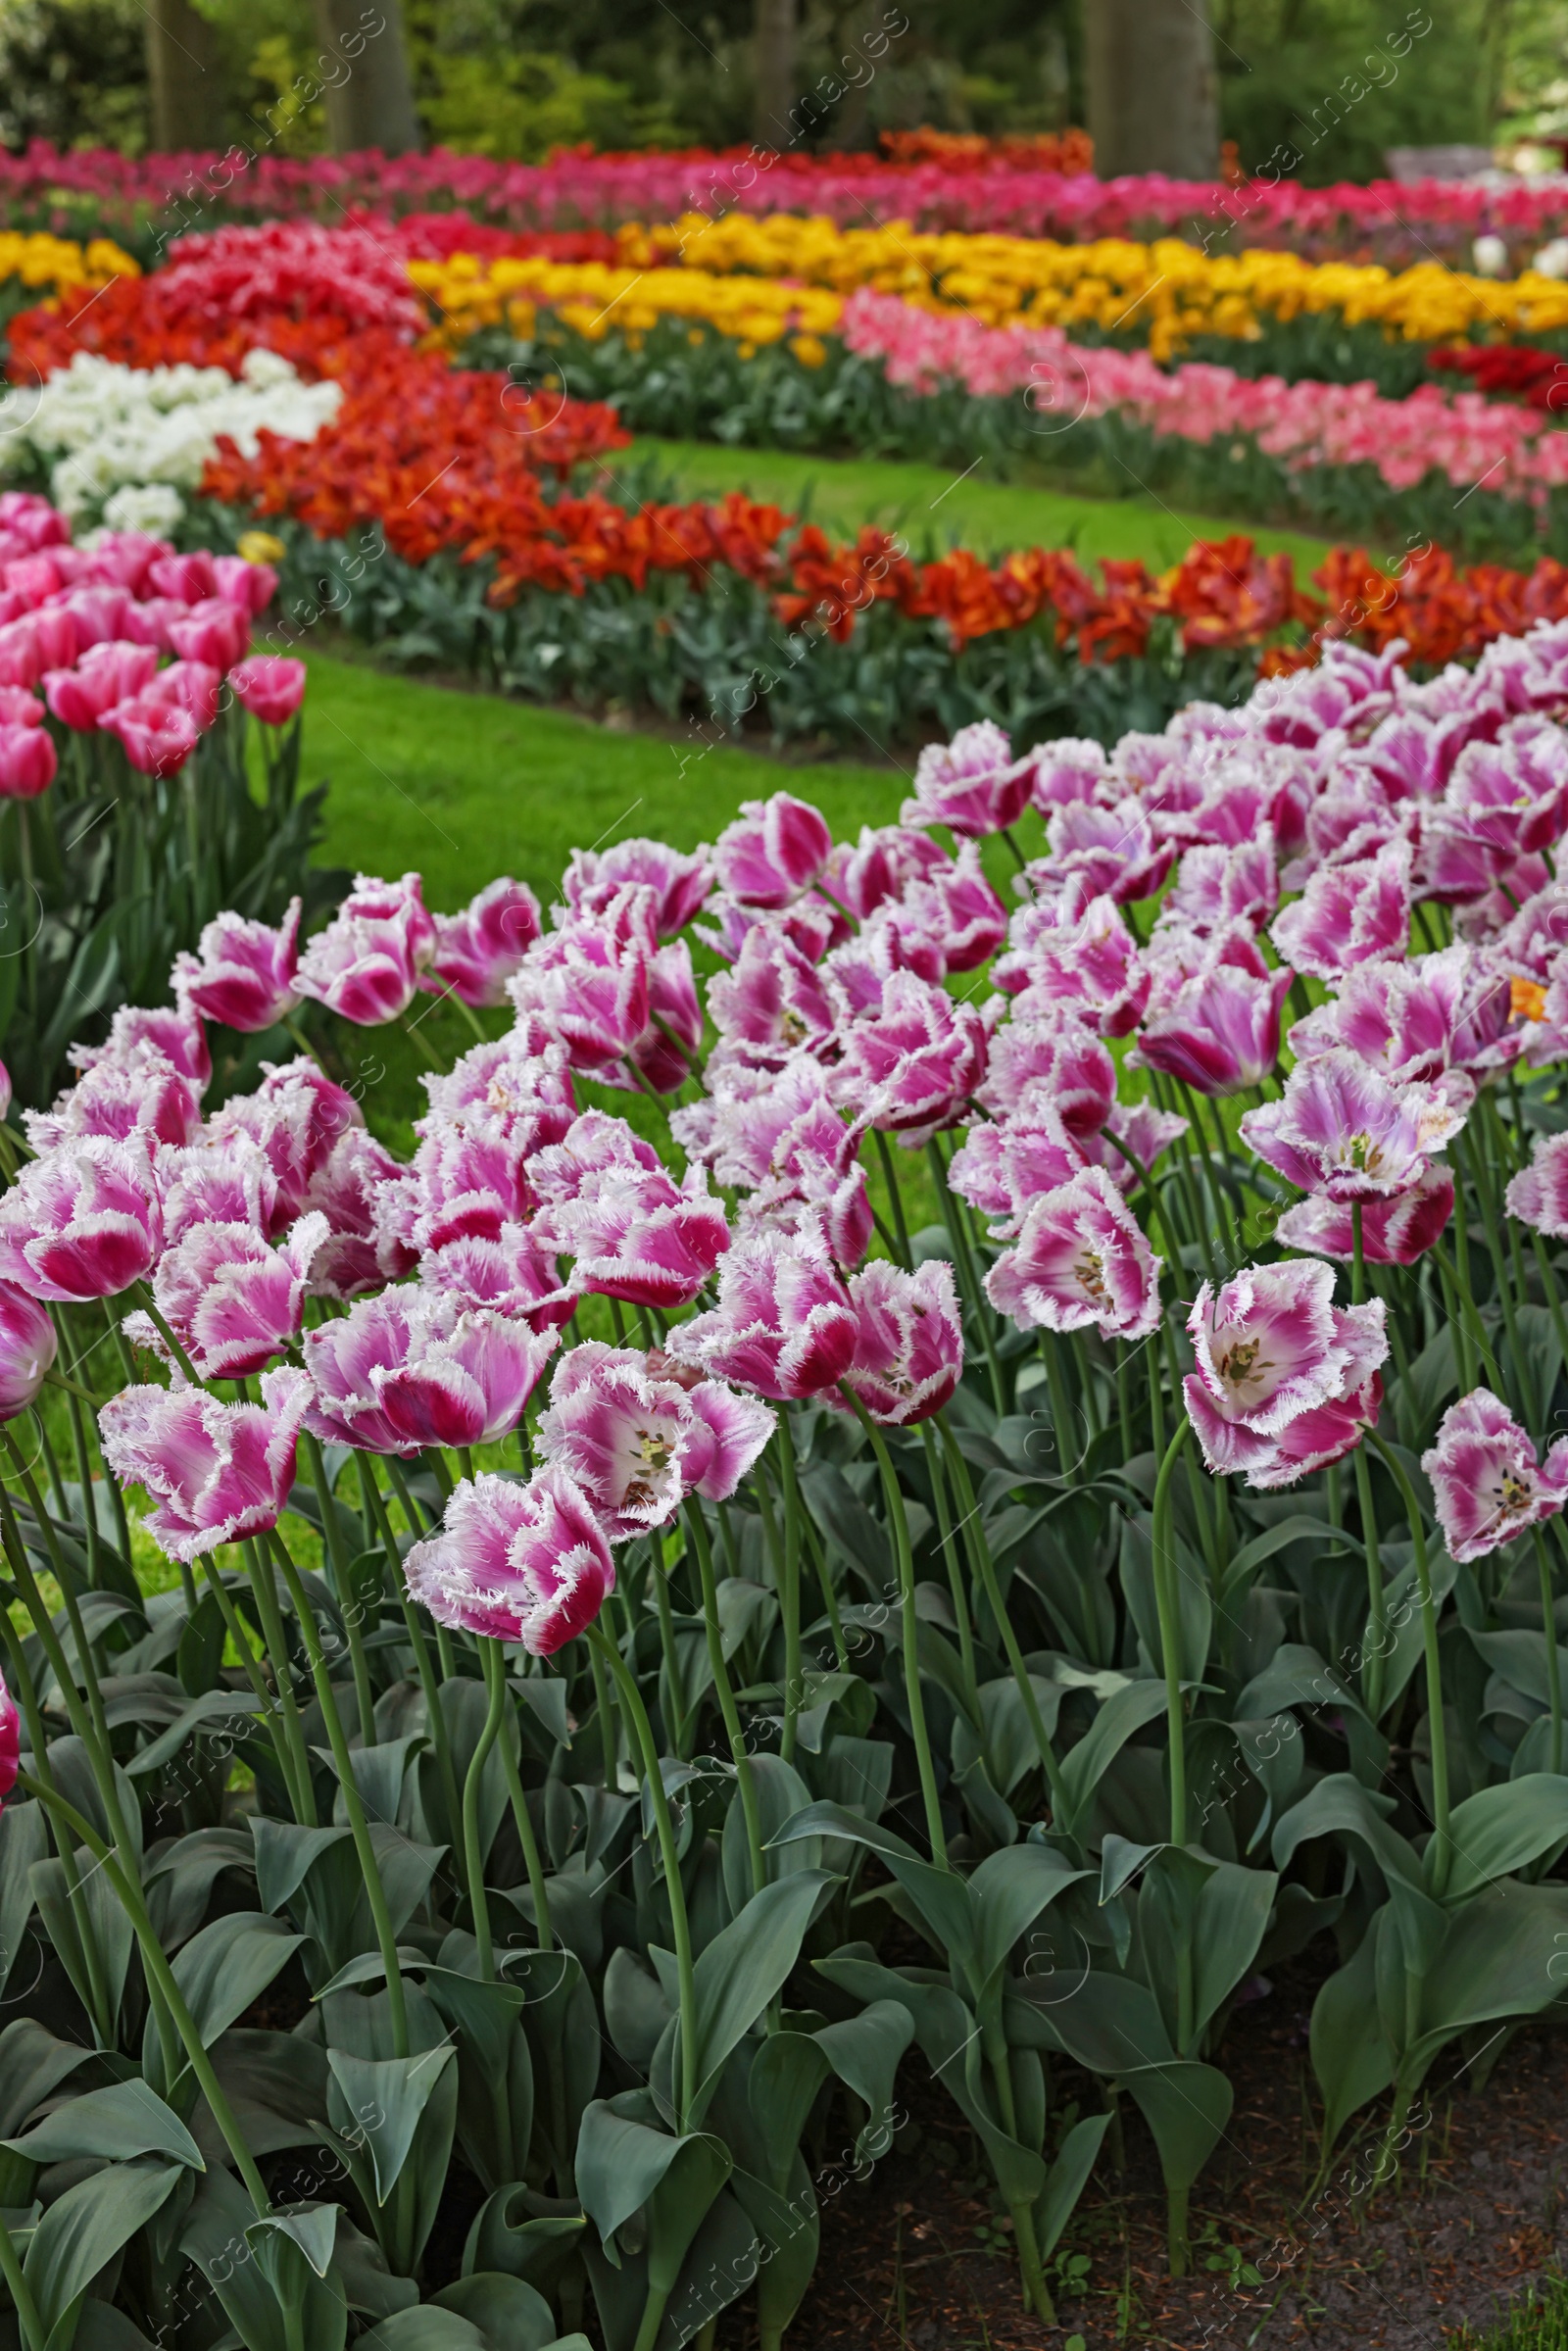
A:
(33, 2063)
(311, 2227)
(84, 2230)
(745, 1965)
(1066, 2180)
(22, 1841)
(284, 1854)
(787, 2071)
(1500, 1830)
(385, 2098)
(1186, 2105)
(865, 2052)
(1351, 2057)
(509, 2315)
(1233, 1914)
(1006, 1893)
(622, 2159)
(126, 2119)
(229, 1965)
(1340, 1806)
(1124, 1713)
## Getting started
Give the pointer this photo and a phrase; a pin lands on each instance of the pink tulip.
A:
(1051, 1057)
(973, 785)
(18, 708)
(99, 614)
(1349, 914)
(784, 1325)
(413, 1368)
(189, 686)
(26, 1350)
(636, 1235)
(296, 1115)
(957, 909)
(1002, 1168)
(218, 1179)
(216, 1471)
(108, 674)
(1344, 1131)
(170, 1033)
(1074, 948)
(811, 924)
(213, 631)
(680, 884)
(231, 1302)
(519, 1085)
(880, 865)
(157, 736)
(82, 1223)
(1219, 1034)
(913, 1067)
(1111, 851)
(1217, 884)
(524, 1563)
(1070, 769)
(186, 577)
(244, 972)
(1487, 1483)
(589, 981)
(144, 1098)
(1394, 1231)
(5, 1091)
(775, 849)
(513, 1273)
(469, 1178)
(779, 1137)
(1414, 1020)
(1285, 1380)
(477, 950)
(1510, 796)
(9, 1740)
(348, 1187)
(772, 1002)
(637, 1443)
(367, 962)
(1080, 1260)
(268, 685)
(28, 763)
(908, 1348)
(1538, 1193)
(1145, 1133)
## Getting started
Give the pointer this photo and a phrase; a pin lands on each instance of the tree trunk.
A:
(773, 65)
(365, 67)
(185, 80)
(1153, 101)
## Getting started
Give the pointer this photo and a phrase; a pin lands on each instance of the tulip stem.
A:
(440, 1739)
(353, 1803)
(910, 1617)
(34, 2334)
(950, 1552)
(302, 1801)
(665, 1826)
(1548, 1615)
(1439, 1849)
(980, 1559)
(275, 1635)
(789, 1606)
(531, 1860)
(970, 1288)
(495, 1676)
(745, 1778)
(1167, 1608)
(895, 1199)
(348, 1599)
(793, 1666)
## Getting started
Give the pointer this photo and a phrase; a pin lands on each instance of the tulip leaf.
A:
(22, 1841)
(33, 2064)
(509, 2315)
(864, 2051)
(745, 1965)
(229, 1965)
(622, 2161)
(384, 2100)
(124, 2119)
(218, 1705)
(1121, 1716)
(82, 2230)
(1351, 2057)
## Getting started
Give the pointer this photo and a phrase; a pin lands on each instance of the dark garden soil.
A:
(914, 2258)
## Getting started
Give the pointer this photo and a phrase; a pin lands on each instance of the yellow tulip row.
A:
(40, 260)
(733, 273)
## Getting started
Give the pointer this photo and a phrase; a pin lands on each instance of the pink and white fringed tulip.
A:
(973, 785)
(772, 1000)
(1285, 1382)
(784, 1325)
(171, 1032)
(367, 962)
(1447, 1010)
(1050, 1058)
(413, 1368)
(216, 1471)
(1114, 852)
(244, 972)
(1394, 1230)
(82, 1223)
(1349, 914)
(524, 1563)
(218, 1179)
(477, 951)
(356, 1256)
(637, 1436)
(1074, 949)
(1003, 1166)
(680, 884)
(908, 1348)
(1080, 1261)
(1486, 1479)
(1343, 1131)
(637, 1235)
(912, 1066)
(882, 864)
(775, 849)
(145, 1097)
(9, 1740)
(1538, 1193)
(231, 1302)
(510, 1272)
(295, 1115)
(1220, 1032)
(28, 1346)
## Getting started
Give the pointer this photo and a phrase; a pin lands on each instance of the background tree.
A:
(1153, 94)
(372, 105)
(185, 92)
(774, 66)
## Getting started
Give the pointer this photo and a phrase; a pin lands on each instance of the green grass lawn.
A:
(928, 503)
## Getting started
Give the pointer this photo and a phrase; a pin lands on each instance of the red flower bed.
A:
(1514, 369)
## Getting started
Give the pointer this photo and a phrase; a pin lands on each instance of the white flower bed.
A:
(127, 441)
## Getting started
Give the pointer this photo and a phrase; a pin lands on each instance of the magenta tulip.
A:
(524, 1563)
(413, 1368)
(477, 950)
(243, 974)
(216, 1471)
(84, 1222)
(637, 1443)
(1285, 1380)
(1080, 1261)
(1487, 1483)
(269, 686)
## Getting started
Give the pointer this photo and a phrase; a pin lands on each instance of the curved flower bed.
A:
(1172, 1535)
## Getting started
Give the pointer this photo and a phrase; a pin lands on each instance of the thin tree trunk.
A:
(1153, 101)
(184, 75)
(773, 65)
(370, 96)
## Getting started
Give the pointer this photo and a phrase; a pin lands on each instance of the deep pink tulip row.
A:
(1360, 799)
(1387, 220)
(88, 629)
(1517, 451)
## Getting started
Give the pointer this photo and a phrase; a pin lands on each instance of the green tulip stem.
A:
(745, 1777)
(1441, 1849)
(911, 1629)
(495, 1680)
(1168, 1610)
(1548, 1622)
